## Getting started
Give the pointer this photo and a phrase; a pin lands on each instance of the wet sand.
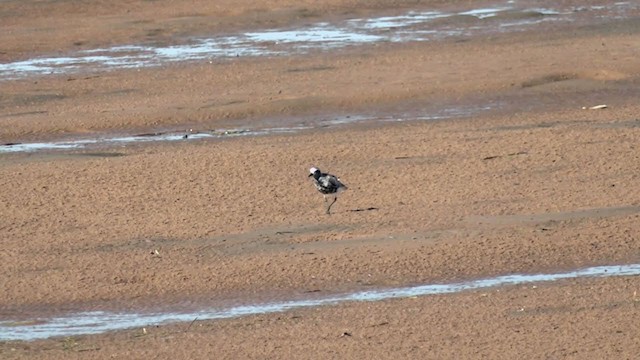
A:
(534, 184)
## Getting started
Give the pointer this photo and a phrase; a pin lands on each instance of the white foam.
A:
(96, 322)
(410, 26)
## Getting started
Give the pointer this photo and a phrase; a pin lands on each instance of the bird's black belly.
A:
(326, 189)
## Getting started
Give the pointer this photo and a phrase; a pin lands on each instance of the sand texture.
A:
(534, 182)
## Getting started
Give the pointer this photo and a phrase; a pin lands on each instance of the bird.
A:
(327, 184)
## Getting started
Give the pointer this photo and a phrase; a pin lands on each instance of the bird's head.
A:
(313, 171)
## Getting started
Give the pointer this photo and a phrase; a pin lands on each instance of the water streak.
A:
(100, 321)
(79, 144)
(425, 25)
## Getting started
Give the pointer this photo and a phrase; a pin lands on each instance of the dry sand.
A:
(536, 185)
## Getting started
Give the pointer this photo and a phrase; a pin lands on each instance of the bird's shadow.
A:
(363, 209)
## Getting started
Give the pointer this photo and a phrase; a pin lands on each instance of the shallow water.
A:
(102, 321)
(124, 140)
(293, 127)
(411, 26)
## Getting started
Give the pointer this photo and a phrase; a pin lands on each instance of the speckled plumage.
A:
(327, 184)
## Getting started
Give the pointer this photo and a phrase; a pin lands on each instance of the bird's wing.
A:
(335, 182)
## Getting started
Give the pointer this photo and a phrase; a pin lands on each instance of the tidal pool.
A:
(415, 25)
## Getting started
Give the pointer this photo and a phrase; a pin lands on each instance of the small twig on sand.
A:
(189, 327)
(89, 349)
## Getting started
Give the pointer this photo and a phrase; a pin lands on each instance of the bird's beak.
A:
(310, 175)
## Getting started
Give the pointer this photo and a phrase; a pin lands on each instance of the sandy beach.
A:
(482, 157)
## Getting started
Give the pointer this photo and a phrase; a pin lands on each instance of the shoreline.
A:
(198, 94)
(82, 322)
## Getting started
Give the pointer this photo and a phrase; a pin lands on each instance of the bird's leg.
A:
(335, 198)
(325, 197)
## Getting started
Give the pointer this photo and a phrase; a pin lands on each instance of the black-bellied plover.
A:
(327, 184)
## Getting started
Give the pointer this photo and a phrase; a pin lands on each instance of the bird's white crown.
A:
(313, 170)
